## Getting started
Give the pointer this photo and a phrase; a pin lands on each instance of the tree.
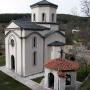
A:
(85, 8)
(79, 54)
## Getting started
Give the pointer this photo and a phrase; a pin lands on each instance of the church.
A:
(29, 44)
(36, 46)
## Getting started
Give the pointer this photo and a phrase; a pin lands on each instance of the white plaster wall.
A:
(46, 77)
(52, 10)
(62, 83)
(47, 71)
(29, 67)
(39, 10)
(57, 80)
(50, 39)
(13, 51)
(35, 11)
(55, 52)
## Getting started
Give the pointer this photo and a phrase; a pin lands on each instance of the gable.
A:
(12, 25)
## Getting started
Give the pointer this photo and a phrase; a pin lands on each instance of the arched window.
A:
(34, 17)
(43, 17)
(34, 57)
(12, 43)
(34, 42)
(68, 79)
(53, 17)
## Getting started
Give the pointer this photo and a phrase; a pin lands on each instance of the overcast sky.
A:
(23, 6)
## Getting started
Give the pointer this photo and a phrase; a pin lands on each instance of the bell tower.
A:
(44, 12)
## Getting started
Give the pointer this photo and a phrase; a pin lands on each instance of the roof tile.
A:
(62, 65)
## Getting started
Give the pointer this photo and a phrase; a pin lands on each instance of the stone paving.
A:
(28, 82)
(24, 80)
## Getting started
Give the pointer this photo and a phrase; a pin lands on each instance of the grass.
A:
(8, 83)
(82, 74)
(2, 60)
(38, 80)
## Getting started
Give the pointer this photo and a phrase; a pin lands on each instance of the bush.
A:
(82, 74)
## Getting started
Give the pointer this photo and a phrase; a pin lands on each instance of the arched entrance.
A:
(12, 62)
(51, 80)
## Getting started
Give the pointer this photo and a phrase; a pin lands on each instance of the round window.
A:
(12, 42)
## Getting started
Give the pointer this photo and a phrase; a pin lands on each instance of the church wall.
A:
(53, 10)
(13, 51)
(59, 82)
(35, 11)
(47, 71)
(16, 31)
(50, 39)
(55, 52)
(29, 50)
(62, 83)
(47, 10)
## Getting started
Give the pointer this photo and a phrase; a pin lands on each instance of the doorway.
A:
(51, 80)
(12, 62)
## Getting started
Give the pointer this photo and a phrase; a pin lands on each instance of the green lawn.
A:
(38, 80)
(8, 83)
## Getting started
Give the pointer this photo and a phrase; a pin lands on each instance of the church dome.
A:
(44, 3)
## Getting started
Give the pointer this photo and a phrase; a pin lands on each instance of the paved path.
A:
(24, 80)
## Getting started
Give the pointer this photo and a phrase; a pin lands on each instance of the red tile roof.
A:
(62, 65)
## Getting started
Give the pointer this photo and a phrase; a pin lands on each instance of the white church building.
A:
(29, 44)
(35, 46)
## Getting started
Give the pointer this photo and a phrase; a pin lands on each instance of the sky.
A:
(23, 6)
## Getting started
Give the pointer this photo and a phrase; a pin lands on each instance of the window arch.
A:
(34, 17)
(53, 17)
(43, 17)
(12, 43)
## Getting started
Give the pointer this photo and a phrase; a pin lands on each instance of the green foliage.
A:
(82, 74)
(85, 85)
